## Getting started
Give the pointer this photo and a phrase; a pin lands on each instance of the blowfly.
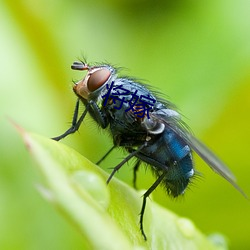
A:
(148, 127)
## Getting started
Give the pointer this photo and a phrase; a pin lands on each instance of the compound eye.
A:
(97, 79)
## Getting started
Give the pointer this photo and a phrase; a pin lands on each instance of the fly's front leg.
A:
(75, 123)
(97, 114)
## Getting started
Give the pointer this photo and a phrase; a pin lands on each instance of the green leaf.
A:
(106, 215)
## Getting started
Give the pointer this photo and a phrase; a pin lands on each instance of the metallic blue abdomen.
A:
(170, 154)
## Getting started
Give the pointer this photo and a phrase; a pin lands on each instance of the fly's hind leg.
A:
(145, 196)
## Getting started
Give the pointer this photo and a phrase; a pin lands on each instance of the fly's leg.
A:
(99, 116)
(145, 196)
(116, 168)
(105, 155)
(90, 107)
(135, 169)
(75, 123)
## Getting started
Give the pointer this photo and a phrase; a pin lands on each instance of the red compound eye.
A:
(97, 79)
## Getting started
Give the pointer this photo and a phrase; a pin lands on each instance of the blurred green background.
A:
(196, 52)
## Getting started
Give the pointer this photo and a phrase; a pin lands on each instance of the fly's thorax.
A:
(128, 96)
(155, 124)
(152, 126)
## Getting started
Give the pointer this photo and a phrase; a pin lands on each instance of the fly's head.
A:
(95, 79)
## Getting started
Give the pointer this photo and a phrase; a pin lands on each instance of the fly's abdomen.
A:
(178, 176)
(180, 166)
(169, 155)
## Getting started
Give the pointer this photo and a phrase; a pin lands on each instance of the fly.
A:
(148, 127)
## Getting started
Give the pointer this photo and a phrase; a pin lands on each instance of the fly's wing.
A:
(175, 124)
(212, 160)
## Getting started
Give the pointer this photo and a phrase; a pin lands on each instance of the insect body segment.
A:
(148, 127)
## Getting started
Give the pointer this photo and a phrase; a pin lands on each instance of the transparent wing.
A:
(175, 124)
